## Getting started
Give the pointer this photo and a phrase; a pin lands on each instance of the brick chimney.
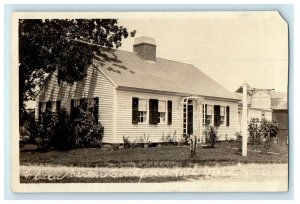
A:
(145, 48)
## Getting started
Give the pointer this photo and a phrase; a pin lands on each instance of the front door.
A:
(190, 120)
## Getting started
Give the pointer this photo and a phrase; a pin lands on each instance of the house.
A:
(137, 93)
(266, 103)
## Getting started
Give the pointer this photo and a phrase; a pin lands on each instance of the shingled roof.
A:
(126, 69)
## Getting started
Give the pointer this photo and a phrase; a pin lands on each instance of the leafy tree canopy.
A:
(46, 45)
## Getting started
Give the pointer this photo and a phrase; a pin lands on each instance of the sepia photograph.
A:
(149, 101)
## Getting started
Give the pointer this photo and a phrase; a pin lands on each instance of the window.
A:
(90, 102)
(142, 110)
(76, 103)
(209, 114)
(43, 108)
(48, 105)
(161, 117)
(162, 112)
(87, 104)
(222, 115)
(215, 115)
(142, 116)
(156, 109)
(263, 113)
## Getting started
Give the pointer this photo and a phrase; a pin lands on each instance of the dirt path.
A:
(249, 177)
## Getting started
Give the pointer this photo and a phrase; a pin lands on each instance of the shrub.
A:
(29, 128)
(211, 135)
(63, 138)
(262, 132)
(62, 131)
(46, 130)
(268, 130)
(86, 131)
(254, 132)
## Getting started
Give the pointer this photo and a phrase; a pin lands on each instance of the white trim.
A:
(96, 67)
(115, 111)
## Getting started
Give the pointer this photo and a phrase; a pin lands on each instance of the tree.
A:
(63, 44)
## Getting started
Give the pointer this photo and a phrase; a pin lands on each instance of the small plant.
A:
(186, 138)
(135, 143)
(126, 142)
(239, 139)
(145, 140)
(181, 142)
(169, 140)
(211, 135)
(115, 147)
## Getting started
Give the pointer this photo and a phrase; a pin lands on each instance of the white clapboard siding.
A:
(224, 131)
(124, 124)
(258, 113)
(94, 85)
(125, 127)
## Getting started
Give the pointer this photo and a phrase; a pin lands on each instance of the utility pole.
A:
(244, 120)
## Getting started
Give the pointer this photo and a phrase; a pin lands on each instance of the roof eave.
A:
(126, 88)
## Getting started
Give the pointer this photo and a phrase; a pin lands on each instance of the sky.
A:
(230, 47)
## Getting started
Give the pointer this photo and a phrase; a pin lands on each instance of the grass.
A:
(224, 153)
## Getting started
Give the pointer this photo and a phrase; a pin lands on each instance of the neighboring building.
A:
(269, 104)
(258, 102)
(136, 93)
(280, 114)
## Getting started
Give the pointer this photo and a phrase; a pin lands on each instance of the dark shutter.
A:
(72, 107)
(96, 109)
(48, 105)
(40, 110)
(169, 112)
(57, 106)
(135, 106)
(59, 76)
(227, 115)
(216, 115)
(153, 111)
(206, 121)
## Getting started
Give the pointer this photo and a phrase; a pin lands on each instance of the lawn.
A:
(224, 153)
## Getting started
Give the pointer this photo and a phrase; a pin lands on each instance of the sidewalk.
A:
(246, 177)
